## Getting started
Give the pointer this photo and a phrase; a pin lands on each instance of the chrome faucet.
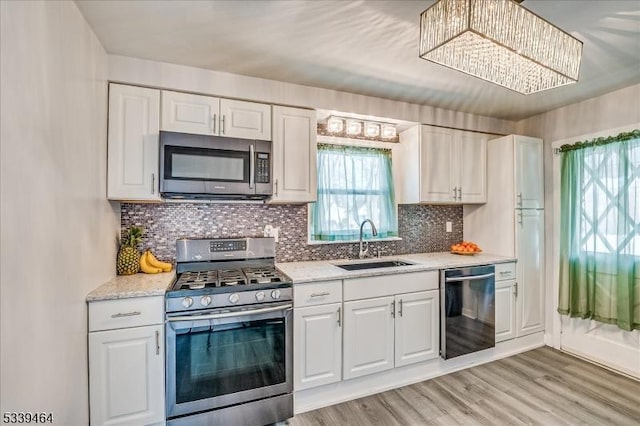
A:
(364, 246)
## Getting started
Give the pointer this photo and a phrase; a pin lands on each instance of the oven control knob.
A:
(233, 298)
(260, 296)
(275, 294)
(187, 302)
(205, 300)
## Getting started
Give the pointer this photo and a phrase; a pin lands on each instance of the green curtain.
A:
(354, 184)
(600, 230)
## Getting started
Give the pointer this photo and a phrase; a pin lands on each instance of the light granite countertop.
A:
(137, 285)
(324, 270)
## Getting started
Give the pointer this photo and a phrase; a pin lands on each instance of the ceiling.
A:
(364, 47)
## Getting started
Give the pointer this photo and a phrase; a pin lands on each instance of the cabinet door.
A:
(126, 376)
(529, 173)
(133, 143)
(294, 155)
(187, 113)
(416, 327)
(530, 271)
(247, 120)
(473, 167)
(505, 310)
(368, 336)
(438, 168)
(317, 339)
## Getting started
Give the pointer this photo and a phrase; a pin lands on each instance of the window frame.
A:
(395, 169)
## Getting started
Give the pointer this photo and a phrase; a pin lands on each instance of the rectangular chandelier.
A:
(501, 42)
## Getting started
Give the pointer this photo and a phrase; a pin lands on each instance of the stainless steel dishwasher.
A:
(467, 310)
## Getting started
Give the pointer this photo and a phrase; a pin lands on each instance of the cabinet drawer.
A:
(123, 313)
(505, 271)
(317, 293)
(389, 285)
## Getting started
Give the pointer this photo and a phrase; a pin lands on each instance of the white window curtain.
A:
(354, 184)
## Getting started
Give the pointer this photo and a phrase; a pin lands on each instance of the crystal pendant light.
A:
(501, 42)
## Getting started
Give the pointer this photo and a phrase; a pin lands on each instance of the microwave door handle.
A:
(252, 159)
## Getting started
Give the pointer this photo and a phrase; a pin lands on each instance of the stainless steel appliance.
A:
(229, 326)
(210, 167)
(467, 310)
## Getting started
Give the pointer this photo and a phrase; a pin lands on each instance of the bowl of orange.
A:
(465, 248)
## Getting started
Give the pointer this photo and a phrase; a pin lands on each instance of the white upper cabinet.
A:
(294, 155)
(247, 120)
(187, 113)
(450, 166)
(207, 115)
(529, 162)
(133, 143)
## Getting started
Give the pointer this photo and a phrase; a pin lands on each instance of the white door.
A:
(247, 120)
(368, 336)
(473, 167)
(187, 113)
(529, 163)
(317, 342)
(505, 310)
(416, 327)
(530, 271)
(133, 143)
(126, 376)
(438, 170)
(294, 155)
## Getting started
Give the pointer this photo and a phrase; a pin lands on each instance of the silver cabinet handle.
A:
(339, 313)
(400, 309)
(393, 309)
(222, 125)
(459, 193)
(519, 196)
(157, 342)
(252, 166)
(520, 220)
(153, 183)
(276, 182)
(324, 293)
(125, 314)
(505, 273)
(455, 189)
(515, 289)
(213, 120)
(469, 278)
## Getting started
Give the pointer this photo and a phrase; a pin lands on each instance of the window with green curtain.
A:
(600, 230)
(354, 184)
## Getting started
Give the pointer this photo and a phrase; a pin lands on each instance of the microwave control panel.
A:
(263, 167)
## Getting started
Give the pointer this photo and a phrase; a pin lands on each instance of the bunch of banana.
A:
(150, 265)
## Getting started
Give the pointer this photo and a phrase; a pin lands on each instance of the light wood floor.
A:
(539, 387)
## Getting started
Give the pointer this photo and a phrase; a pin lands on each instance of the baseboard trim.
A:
(336, 393)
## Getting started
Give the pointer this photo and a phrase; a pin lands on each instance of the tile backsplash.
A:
(422, 228)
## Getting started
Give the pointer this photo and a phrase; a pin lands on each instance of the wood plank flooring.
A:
(540, 387)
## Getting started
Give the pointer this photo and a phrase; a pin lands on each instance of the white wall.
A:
(57, 229)
(616, 110)
(189, 79)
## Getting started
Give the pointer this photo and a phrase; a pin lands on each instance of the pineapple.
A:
(128, 261)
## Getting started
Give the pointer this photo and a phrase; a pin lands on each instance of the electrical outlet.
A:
(271, 231)
(449, 227)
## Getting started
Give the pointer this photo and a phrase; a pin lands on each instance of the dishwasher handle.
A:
(469, 278)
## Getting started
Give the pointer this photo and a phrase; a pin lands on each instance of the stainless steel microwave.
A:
(214, 167)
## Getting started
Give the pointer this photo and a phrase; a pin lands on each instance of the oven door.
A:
(221, 358)
(200, 166)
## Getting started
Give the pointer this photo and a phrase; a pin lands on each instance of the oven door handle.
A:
(242, 313)
(469, 278)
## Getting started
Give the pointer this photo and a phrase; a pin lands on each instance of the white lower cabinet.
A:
(505, 310)
(416, 327)
(317, 333)
(126, 362)
(368, 336)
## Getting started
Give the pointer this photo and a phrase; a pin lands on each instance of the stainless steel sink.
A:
(357, 266)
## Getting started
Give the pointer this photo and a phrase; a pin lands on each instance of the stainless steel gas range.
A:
(229, 327)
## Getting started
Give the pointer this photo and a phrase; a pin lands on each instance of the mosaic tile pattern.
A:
(422, 228)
